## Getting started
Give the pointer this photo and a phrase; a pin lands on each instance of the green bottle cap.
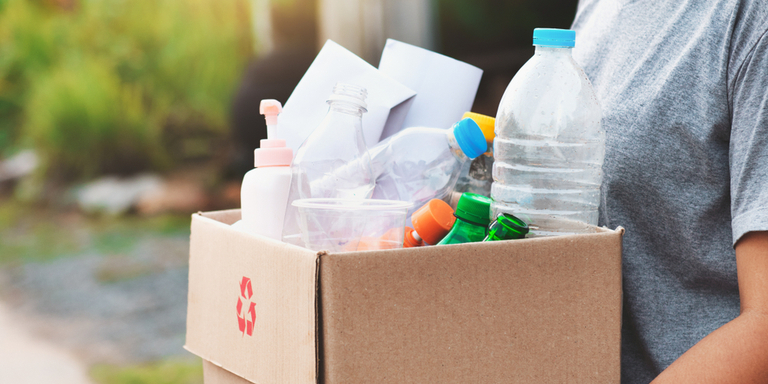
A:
(506, 227)
(474, 208)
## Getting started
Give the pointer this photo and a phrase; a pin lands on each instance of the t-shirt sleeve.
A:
(749, 143)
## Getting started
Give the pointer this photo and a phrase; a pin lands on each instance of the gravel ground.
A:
(118, 307)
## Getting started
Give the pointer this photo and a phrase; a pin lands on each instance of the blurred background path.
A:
(93, 298)
(28, 359)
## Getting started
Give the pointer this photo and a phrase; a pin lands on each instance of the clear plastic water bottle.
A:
(333, 162)
(420, 164)
(549, 146)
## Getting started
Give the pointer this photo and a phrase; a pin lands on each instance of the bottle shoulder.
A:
(551, 99)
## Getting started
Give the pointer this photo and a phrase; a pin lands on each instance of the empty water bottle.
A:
(549, 146)
(333, 162)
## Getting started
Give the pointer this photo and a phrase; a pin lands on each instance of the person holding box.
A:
(684, 92)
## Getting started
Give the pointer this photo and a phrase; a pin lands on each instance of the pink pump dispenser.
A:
(270, 108)
(264, 192)
(272, 153)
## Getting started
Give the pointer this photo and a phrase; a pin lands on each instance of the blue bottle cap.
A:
(470, 138)
(551, 37)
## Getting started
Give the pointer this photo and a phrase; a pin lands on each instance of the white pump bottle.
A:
(264, 192)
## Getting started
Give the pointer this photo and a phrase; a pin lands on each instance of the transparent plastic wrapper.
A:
(549, 146)
(334, 161)
(420, 164)
(344, 225)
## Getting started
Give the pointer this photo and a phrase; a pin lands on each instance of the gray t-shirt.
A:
(683, 85)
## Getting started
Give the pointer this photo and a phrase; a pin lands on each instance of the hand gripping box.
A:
(544, 310)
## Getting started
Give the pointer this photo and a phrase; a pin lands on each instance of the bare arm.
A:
(738, 351)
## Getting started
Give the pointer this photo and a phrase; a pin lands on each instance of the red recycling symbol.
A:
(245, 320)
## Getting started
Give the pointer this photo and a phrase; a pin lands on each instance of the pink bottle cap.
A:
(273, 153)
(270, 108)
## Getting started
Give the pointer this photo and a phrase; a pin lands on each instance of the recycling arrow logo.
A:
(246, 309)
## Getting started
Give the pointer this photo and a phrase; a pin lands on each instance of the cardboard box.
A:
(544, 310)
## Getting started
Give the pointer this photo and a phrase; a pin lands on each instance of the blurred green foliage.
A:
(103, 86)
(166, 372)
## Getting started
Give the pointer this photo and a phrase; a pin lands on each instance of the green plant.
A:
(111, 86)
(166, 372)
(85, 121)
(28, 47)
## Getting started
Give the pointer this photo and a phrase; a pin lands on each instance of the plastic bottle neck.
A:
(456, 150)
(553, 51)
(462, 226)
(347, 108)
(348, 99)
(467, 222)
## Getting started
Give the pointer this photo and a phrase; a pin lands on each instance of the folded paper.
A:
(307, 106)
(445, 87)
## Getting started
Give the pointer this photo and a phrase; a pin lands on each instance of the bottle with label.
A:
(420, 164)
(477, 175)
(506, 227)
(333, 162)
(472, 219)
(431, 223)
(549, 146)
(264, 191)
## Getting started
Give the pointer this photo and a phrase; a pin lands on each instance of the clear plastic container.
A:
(343, 225)
(333, 162)
(420, 164)
(549, 145)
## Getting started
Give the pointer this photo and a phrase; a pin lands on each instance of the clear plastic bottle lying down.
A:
(549, 146)
(421, 164)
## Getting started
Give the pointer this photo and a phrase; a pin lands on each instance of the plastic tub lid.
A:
(352, 204)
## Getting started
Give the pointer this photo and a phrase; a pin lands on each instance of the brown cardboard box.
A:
(544, 310)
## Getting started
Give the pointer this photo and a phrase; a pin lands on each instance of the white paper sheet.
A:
(307, 107)
(445, 87)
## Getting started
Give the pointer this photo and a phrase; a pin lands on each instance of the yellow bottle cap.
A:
(486, 123)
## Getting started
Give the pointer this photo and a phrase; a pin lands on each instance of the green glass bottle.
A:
(473, 215)
(506, 227)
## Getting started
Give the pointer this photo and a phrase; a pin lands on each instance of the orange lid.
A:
(410, 241)
(433, 221)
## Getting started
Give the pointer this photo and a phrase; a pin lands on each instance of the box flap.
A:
(544, 310)
(251, 303)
